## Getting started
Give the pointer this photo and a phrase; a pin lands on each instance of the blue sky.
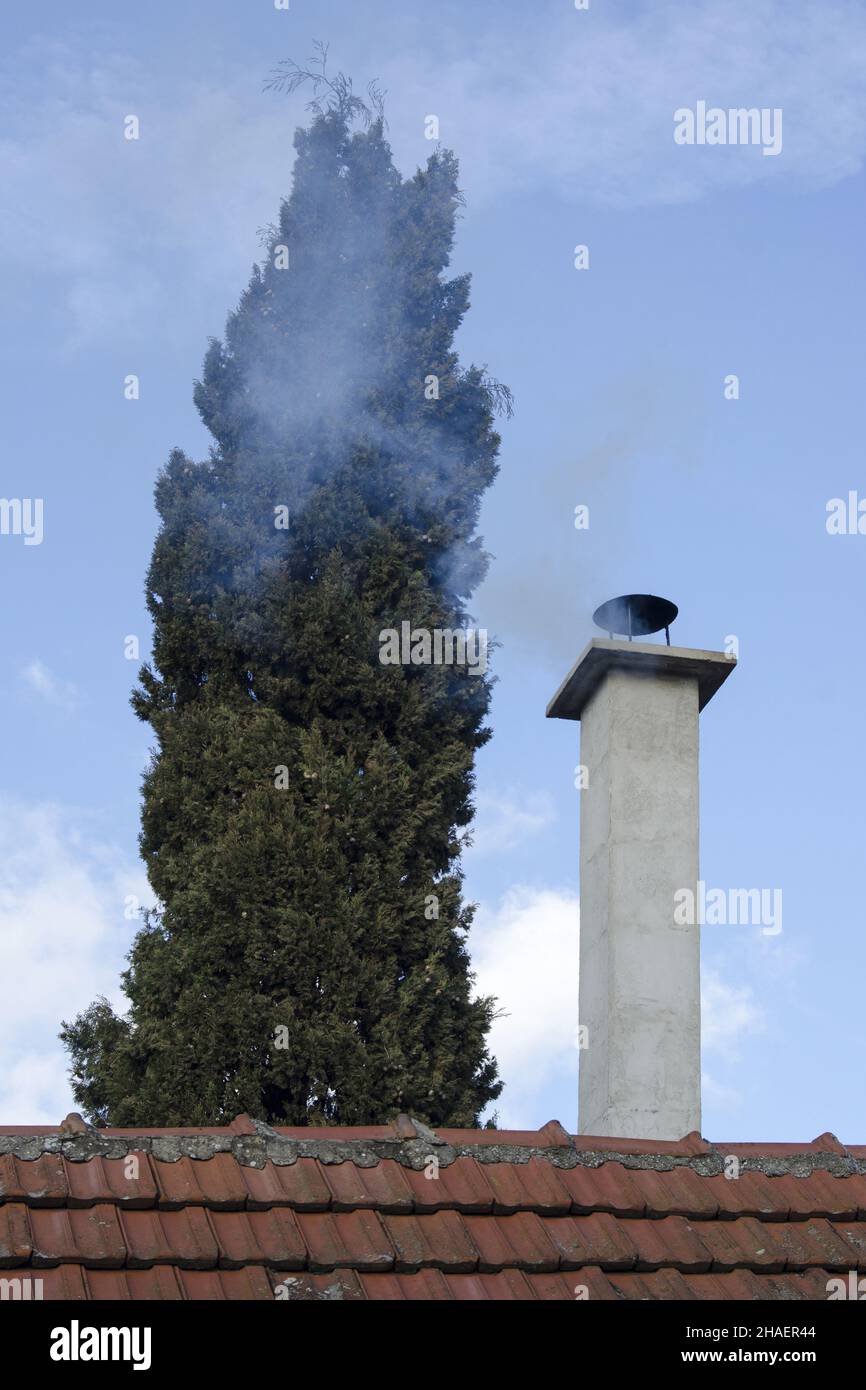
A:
(124, 257)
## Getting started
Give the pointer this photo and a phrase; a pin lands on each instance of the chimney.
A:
(640, 1002)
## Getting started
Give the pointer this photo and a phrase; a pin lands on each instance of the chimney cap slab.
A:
(709, 669)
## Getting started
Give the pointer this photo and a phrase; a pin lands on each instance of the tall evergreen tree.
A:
(302, 810)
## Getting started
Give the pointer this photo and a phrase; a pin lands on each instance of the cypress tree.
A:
(303, 806)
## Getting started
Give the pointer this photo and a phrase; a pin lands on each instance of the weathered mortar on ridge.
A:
(264, 1144)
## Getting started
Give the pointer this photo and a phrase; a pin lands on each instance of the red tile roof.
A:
(399, 1212)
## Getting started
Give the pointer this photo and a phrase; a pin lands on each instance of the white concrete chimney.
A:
(640, 1002)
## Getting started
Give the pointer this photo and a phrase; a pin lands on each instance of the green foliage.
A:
(293, 969)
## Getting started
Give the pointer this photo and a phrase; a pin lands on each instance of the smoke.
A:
(337, 373)
(549, 578)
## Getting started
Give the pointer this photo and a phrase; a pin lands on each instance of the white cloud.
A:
(728, 1014)
(37, 677)
(139, 232)
(34, 1089)
(136, 232)
(525, 952)
(504, 821)
(585, 101)
(63, 936)
(714, 1093)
